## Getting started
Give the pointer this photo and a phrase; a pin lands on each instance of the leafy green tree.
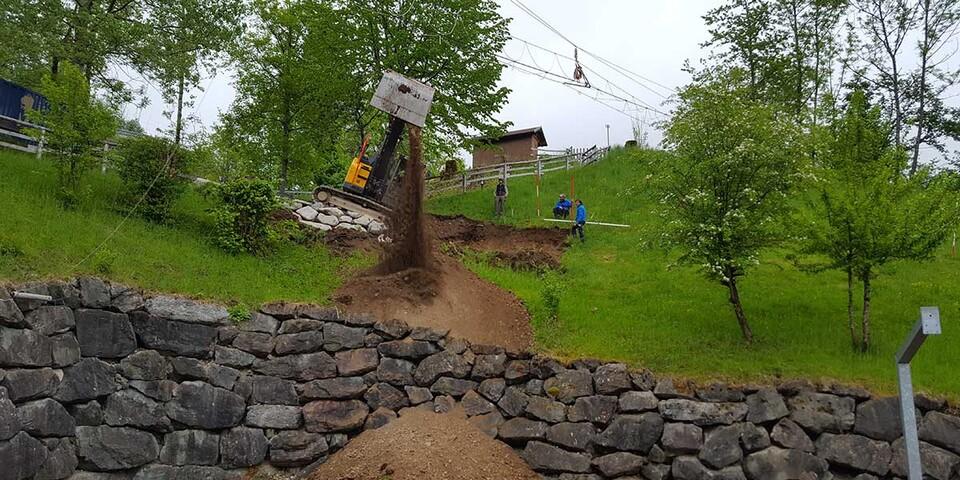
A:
(74, 128)
(151, 170)
(724, 191)
(869, 212)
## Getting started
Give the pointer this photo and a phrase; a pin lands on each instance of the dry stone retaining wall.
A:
(104, 383)
(324, 217)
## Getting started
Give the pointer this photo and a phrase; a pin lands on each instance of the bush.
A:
(551, 293)
(242, 216)
(150, 168)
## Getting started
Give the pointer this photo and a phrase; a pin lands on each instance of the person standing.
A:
(500, 198)
(580, 220)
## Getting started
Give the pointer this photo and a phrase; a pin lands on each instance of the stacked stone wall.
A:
(105, 382)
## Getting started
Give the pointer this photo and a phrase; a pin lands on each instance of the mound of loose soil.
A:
(447, 296)
(424, 445)
(343, 241)
(519, 248)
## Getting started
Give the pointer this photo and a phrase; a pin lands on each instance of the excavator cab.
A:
(359, 172)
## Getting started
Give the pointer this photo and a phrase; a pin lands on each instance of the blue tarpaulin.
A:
(15, 100)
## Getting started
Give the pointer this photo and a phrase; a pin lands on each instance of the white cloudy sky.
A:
(651, 38)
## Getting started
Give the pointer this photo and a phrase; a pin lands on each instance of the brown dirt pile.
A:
(447, 297)
(518, 248)
(422, 445)
(407, 223)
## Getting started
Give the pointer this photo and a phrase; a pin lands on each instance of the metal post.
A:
(608, 135)
(929, 324)
(40, 145)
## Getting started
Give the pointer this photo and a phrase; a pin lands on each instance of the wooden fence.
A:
(12, 136)
(477, 177)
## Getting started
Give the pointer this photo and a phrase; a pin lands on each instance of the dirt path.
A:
(448, 297)
(424, 445)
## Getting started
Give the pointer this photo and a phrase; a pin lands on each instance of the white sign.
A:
(404, 98)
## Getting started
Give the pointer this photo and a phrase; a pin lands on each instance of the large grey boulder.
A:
(104, 334)
(395, 371)
(489, 366)
(87, 380)
(296, 448)
(242, 447)
(612, 378)
(338, 337)
(780, 464)
(619, 464)
(94, 293)
(190, 447)
(185, 472)
(474, 404)
(789, 435)
(272, 391)
(379, 418)
(257, 343)
(418, 395)
(942, 430)
(300, 325)
(61, 459)
(112, 448)
(514, 401)
(357, 362)
(145, 365)
(856, 452)
(182, 309)
(632, 433)
(681, 438)
(29, 384)
(45, 418)
(51, 319)
(65, 350)
(24, 348)
(721, 447)
(385, 395)
(597, 409)
(543, 457)
(304, 367)
(702, 413)
(307, 213)
(880, 419)
(9, 423)
(573, 436)
(637, 402)
(407, 348)
(455, 387)
(689, 468)
(546, 409)
(569, 385)
(159, 390)
(339, 388)
(200, 405)
(821, 412)
(279, 417)
(443, 363)
(304, 342)
(329, 416)
(522, 429)
(134, 409)
(180, 338)
(88, 414)
(937, 463)
(233, 357)
(10, 314)
(124, 298)
(766, 406)
(21, 457)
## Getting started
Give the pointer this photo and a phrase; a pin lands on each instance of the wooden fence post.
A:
(40, 145)
(464, 188)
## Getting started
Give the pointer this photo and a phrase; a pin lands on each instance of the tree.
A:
(886, 24)
(868, 212)
(938, 21)
(75, 127)
(151, 170)
(724, 191)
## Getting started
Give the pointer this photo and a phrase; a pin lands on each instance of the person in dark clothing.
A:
(500, 198)
(580, 220)
(562, 208)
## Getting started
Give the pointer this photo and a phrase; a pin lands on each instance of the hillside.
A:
(622, 299)
(39, 240)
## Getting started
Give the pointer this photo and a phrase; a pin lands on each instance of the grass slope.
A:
(623, 301)
(39, 240)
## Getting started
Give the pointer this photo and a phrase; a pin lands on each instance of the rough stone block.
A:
(134, 409)
(242, 447)
(45, 418)
(190, 447)
(184, 310)
(51, 319)
(112, 448)
(200, 405)
(87, 380)
(30, 384)
(280, 417)
(180, 338)
(328, 416)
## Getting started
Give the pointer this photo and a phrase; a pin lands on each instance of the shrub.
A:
(150, 168)
(242, 216)
(551, 293)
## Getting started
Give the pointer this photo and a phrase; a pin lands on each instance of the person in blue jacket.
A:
(580, 220)
(562, 208)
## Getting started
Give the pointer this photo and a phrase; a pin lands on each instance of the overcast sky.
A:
(652, 38)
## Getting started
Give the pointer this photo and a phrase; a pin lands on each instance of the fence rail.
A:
(26, 143)
(477, 177)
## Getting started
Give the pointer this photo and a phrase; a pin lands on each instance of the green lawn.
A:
(624, 301)
(39, 240)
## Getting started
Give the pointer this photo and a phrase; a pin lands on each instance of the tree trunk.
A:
(850, 322)
(178, 128)
(285, 146)
(738, 309)
(865, 323)
(924, 56)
